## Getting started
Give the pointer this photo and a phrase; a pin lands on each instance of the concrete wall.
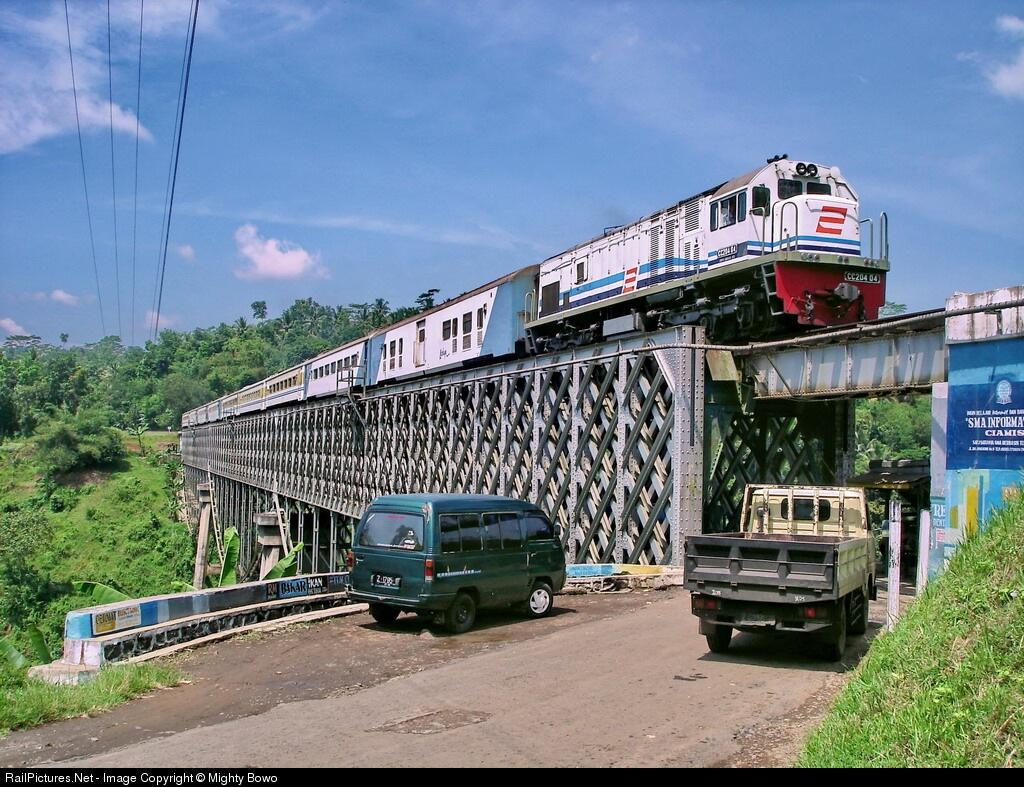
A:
(979, 424)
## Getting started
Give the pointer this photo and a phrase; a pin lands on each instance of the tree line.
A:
(45, 389)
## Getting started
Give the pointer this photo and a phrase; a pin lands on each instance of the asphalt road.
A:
(627, 681)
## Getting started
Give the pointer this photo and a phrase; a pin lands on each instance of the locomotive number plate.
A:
(863, 278)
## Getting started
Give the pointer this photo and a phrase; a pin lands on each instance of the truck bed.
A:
(774, 567)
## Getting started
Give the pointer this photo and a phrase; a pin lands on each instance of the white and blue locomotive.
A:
(776, 248)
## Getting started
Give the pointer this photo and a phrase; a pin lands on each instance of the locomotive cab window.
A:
(762, 198)
(818, 188)
(790, 188)
(729, 211)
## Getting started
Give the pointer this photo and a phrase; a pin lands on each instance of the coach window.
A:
(446, 331)
(790, 188)
(467, 330)
(481, 315)
(391, 355)
(401, 351)
(581, 271)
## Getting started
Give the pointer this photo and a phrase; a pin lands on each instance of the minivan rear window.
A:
(537, 527)
(392, 530)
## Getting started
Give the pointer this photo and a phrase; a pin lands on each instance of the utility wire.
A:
(113, 179)
(135, 209)
(174, 179)
(85, 182)
(170, 167)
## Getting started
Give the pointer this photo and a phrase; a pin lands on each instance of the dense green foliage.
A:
(24, 536)
(893, 429)
(119, 528)
(946, 687)
(67, 442)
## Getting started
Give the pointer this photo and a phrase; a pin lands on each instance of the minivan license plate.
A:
(385, 581)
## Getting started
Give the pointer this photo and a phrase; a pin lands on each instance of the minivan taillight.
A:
(428, 570)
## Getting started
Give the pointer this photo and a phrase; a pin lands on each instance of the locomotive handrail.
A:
(796, 225)
(529, 303)
(871, 235)
(883, 235)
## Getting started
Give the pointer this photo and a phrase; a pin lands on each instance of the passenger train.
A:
(761, 254)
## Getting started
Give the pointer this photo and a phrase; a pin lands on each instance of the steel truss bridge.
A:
(628, 445)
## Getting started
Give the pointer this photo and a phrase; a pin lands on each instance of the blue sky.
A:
(348, 151)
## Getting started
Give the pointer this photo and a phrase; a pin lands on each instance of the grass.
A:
(946, 687)
(28, 703)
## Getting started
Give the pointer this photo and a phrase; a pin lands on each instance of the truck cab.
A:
(802, 562)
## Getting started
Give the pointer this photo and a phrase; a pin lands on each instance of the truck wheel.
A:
(461, 614)
(836, 644)
(858, 614)
(383, 614)
(719, 638)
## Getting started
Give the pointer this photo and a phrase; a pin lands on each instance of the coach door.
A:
(419, 350)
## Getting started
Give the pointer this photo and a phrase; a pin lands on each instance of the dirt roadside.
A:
(251, 673)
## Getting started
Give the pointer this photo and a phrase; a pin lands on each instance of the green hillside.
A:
(946, 687)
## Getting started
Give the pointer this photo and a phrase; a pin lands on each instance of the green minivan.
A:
(449, 555)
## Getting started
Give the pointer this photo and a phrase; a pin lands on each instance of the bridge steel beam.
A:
(608, 440)
(887, 363)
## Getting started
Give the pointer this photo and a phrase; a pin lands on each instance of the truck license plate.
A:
(385, 581)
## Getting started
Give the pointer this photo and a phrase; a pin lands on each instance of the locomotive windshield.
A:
(794, 188)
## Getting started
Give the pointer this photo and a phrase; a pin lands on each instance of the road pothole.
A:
(435, 721)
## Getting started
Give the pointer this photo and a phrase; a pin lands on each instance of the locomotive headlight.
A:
(801, 169)
(812, 170)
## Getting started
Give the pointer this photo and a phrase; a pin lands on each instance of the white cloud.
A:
(60, 296)
(1011, 25)
(10, 327)
(166, 320)
(186, 252)
(1008, 79)
(36, 98)
(270, 258)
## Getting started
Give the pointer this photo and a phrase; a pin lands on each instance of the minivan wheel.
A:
(383, 614)
(540, 601)
(461, 615)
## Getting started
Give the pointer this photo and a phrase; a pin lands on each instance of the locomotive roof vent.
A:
(773, 159)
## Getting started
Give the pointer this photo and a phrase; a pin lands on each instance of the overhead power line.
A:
(174, 178)
(113, 179)
(85, 182)
(135, 208)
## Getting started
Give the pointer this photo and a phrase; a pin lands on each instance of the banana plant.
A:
(13, 656)
(100, 593)
(286, 567)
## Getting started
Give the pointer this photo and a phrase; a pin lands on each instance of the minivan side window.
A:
(470, 531)
(501, 531)
(511, 532)
(450, 541)
(537, 527)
